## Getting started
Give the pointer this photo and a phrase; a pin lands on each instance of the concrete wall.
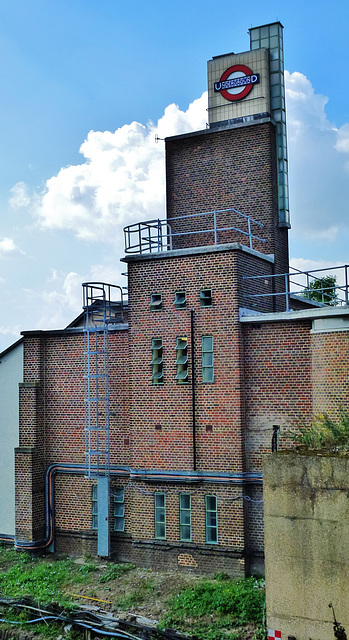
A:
(11, 373)
(306, 518)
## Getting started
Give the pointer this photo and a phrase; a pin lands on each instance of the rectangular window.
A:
(94, 507)
(156, 302)
(156, 361)
(182, 359)
(160, 516)
(207, 358)
(119, 510)
(180, 301)
(211, 519)
(185, 516)
(206, 298)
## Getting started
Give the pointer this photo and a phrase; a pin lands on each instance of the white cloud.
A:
(20, 197)
(318, 182)
(122, 179)
(7, 246)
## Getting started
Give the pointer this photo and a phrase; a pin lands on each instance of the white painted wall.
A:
(11, 373)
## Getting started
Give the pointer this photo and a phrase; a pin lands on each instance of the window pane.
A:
(207, 343)
(160, 515)
(185, 517)
(211, 535)
(185, 501)
(159, 530)
(211, 519)
(159, 500)
(211, 503)
(207, 359)
(185, 533)
(207, 375)
(119, 509)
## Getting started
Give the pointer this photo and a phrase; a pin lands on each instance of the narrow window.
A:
(94, 507)
(119, 510)
(207, 358)
(156, 302)
(160, 516)
(206, 298)
(182, 359)
(211, 519)
(180, 301)
(185, 516)
(156, 361)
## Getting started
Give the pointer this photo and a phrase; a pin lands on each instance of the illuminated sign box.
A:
(238, 85)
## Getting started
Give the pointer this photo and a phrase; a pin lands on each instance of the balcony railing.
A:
(307, 285)
(155, 236)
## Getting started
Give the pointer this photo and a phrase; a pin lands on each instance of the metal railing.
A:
(154, 236)
(309, 285)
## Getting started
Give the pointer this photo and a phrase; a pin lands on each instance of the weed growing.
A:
(115, 571)
(217, 608)
(324, 433)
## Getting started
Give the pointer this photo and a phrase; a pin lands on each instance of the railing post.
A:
(287, 291)
(139, 239)
(215, 226)
(249, 231)
(159, 235)
(346, 285)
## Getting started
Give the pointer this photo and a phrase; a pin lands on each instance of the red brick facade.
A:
(182, 436)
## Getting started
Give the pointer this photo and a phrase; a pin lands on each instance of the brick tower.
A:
(227, 217)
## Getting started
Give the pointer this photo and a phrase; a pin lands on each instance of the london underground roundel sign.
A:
(236, 82)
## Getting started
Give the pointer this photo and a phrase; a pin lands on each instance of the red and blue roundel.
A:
(236, 82)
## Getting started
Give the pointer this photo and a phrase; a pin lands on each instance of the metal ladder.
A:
(100, 313)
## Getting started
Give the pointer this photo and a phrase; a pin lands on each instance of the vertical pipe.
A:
(215, 226)
(193, 385)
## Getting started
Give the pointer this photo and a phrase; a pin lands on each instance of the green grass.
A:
(212, 609)
(42, 580)
(115, 571)
(216, 609)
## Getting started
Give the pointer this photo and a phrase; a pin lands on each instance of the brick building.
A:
(142, 427)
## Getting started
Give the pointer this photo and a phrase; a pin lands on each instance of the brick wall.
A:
(330, 377)
(277, 367)
(215, 170)
(52, 421)
(162, 415)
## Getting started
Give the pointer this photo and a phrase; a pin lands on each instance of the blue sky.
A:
(76, 74)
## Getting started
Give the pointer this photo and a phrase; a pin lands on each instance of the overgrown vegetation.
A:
(212, 609)
(115, 571)
(324, 433)
(46, 581)
(218, 609)
(322, 290)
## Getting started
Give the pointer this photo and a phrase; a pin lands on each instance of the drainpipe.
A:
(193, 385)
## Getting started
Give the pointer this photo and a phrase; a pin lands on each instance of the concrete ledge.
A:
(190, 251)
(287, 316)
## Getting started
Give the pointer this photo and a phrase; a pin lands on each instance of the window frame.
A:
(155, 301)
(180, 303)
(208, 526)
(159, 510)
(182, 359)
(207, 369)
(205, 300)
(157, 361)
(183, 511)
(117, 516)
